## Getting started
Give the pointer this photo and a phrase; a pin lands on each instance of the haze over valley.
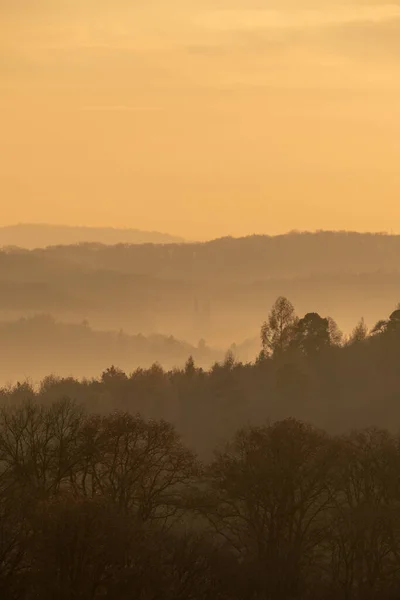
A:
(213, 295)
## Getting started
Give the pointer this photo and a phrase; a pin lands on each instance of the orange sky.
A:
(201, 117)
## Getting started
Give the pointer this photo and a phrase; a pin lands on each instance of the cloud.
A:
(210, 43)
(343, 46)
(281, 19)
(120, 108)
(368, 35)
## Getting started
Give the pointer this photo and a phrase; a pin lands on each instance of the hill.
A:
(41, 235)
(32, 347)
(245, 259)
(220, 290)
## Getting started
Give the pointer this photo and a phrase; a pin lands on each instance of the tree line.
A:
(249, 258)
(83, 350)
(115, 506)
(236, 497)
(153, 288)
(307, 369)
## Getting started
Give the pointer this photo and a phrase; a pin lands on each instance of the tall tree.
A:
(269, 491)
(335, 334)
(365, 543)
(277, 331)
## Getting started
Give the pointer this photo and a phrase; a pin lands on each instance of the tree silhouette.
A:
(277, 332)
(359, 333)
(312, 334)
(268, 494)
(113, 375)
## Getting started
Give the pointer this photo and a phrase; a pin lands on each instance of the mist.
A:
(147, 303)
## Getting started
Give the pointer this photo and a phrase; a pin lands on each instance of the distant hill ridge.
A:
(255, 257)
(250, 258)
(31, 236)
(219, 291)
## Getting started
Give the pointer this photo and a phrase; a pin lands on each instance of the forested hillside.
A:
(33, 347)
(304, 368)
(218, 290)
(211, 485)
(243, 259)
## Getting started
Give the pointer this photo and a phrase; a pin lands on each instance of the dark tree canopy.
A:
(276, 479)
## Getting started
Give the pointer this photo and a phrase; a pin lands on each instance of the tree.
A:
(87, 550)
(229, 360)
(365, 536)
(277, 332)
(269, 492)
(190, 367)
(391, 325)
(38, 446)
(359, 333)
(141, 466)
(14, 542)
(312, 334)
(78, 549)
(335, 334)
(394, 322)
(113, 375)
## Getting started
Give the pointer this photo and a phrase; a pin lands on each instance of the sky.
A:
(201, 118)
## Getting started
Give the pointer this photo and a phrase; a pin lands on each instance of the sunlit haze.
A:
(201, 118)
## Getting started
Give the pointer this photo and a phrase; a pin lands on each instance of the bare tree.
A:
(365, 523)
(38, 445)
(142, 466)
(14, 536)
(77, 549)
(269, 497)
